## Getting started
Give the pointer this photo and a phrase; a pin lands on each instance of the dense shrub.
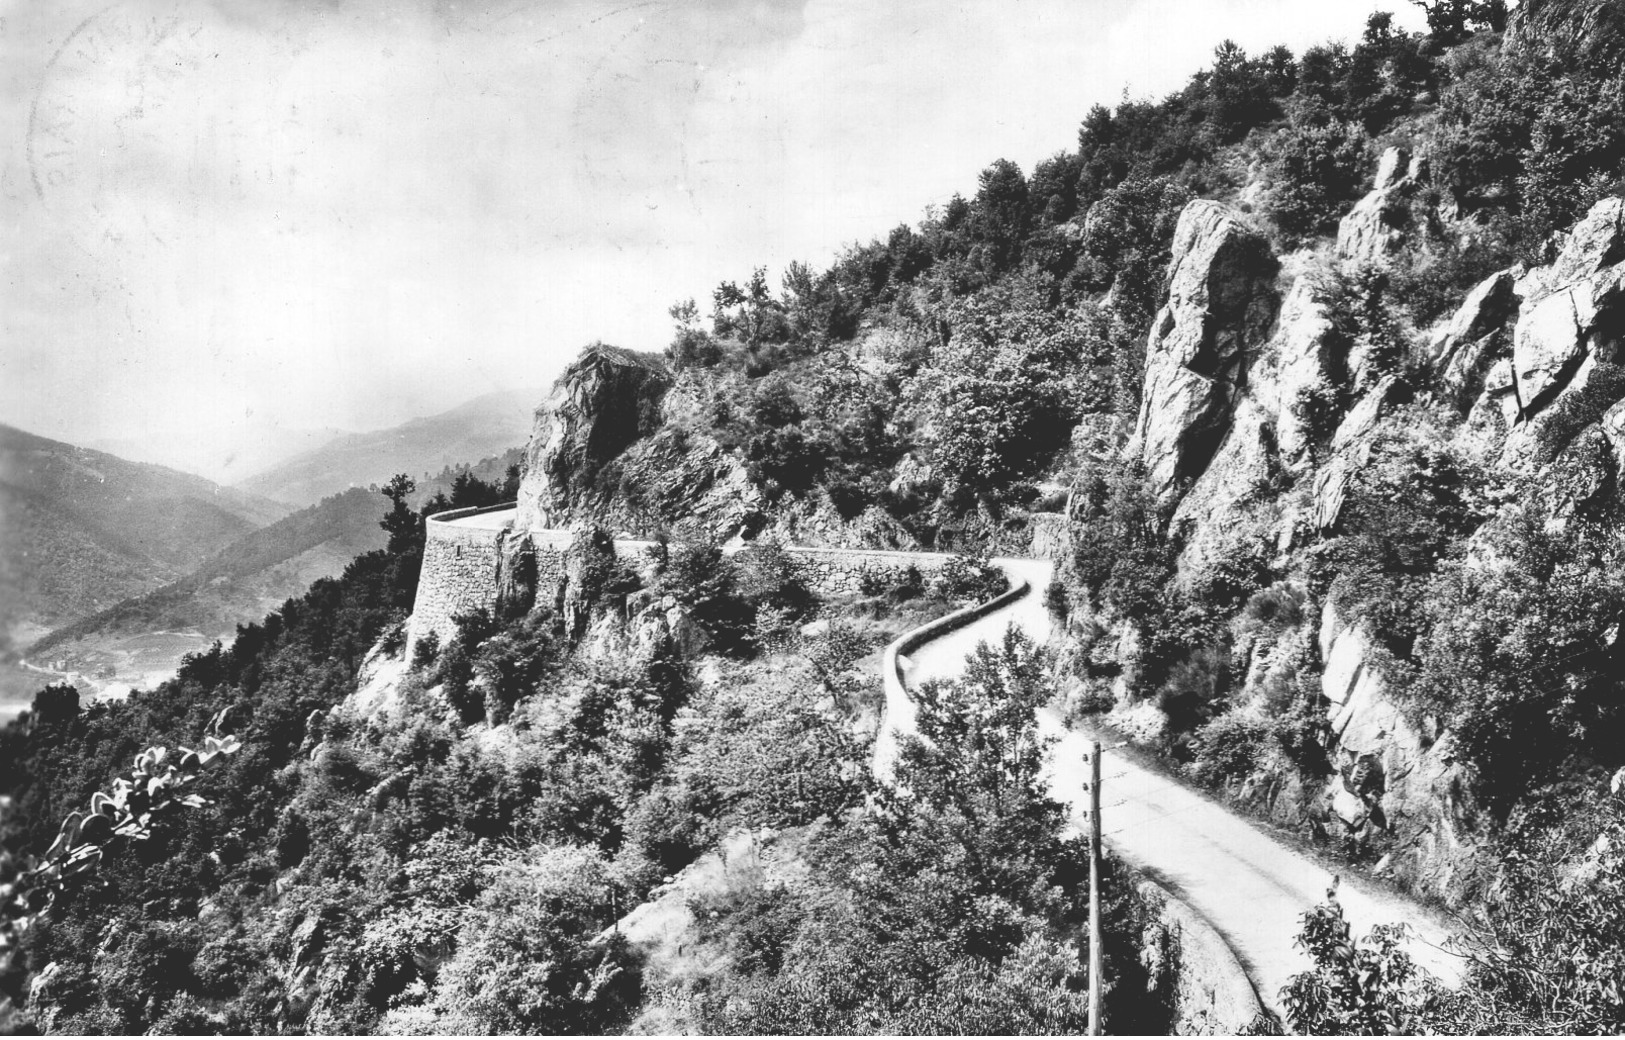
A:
(1521, 658)
(1317, 166)
(970, 577)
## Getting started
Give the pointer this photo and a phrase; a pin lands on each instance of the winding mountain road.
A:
(1251, 888)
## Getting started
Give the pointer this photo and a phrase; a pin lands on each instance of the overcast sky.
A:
(345, 213)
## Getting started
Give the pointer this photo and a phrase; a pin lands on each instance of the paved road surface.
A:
(1249, 886)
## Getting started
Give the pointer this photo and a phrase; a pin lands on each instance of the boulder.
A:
(1549, 346)
(1566, 368)
(1596, 243)
(607, 399)
(1221, 302)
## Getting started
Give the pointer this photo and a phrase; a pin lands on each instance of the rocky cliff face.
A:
(1578, 29)
(1531, 362)
(1204, 343)
(1378, 225)
(605, 401)
(1566, 369)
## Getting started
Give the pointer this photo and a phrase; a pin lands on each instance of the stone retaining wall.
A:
(462, 567)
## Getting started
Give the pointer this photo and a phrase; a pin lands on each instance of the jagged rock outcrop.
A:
(1475, 338)
(1566, 369)
(607, 399)
(1390, 774)
(1300, 365)
(1221, 303)
(1578, 30)
(1350, 451)
(1377, 225)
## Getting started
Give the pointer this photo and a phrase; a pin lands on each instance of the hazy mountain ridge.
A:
(239, 584)
(233, 456)
(85, 528)
(485, 426)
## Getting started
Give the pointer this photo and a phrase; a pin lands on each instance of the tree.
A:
(1451, 21)
(404, 526)
(1001, 216)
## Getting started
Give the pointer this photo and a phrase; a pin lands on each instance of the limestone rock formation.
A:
(1221, 303)
(1375, 228)
(607, 399)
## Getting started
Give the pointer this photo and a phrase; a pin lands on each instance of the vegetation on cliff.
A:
(1341, 538)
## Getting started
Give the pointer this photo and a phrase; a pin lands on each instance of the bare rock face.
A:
(1390, 774)
(1475, 338)
(1351, 450)
(607, 399)
(1567, 369)
(1221, 303)
(1300, 366)
(1376, 226)
(1584, 30)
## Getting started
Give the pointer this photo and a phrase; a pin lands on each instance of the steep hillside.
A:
(485, 426)
(84, 529)
(1310, 378)
(1309, 375)
(141, 640)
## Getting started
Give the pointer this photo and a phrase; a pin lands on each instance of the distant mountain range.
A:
(113, 569)
(81, 529)
(481, 428)
(140, 640)
(224, 458)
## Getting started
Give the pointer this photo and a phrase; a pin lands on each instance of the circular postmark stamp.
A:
(96, 137)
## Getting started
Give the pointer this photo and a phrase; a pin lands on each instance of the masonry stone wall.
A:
(839, 572)
(462, 567)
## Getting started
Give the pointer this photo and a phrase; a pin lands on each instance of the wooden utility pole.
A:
(1096, 974)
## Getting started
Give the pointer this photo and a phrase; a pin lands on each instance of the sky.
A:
(223, 218)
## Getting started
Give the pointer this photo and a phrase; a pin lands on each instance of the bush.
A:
(1056, 600)
(1232, 746)
(426, 650)
(1317, 167)
(972, 578)
(1276, 608)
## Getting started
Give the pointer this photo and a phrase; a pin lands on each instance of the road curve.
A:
(1250, 887)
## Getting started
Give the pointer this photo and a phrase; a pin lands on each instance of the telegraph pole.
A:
(1096, 974)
